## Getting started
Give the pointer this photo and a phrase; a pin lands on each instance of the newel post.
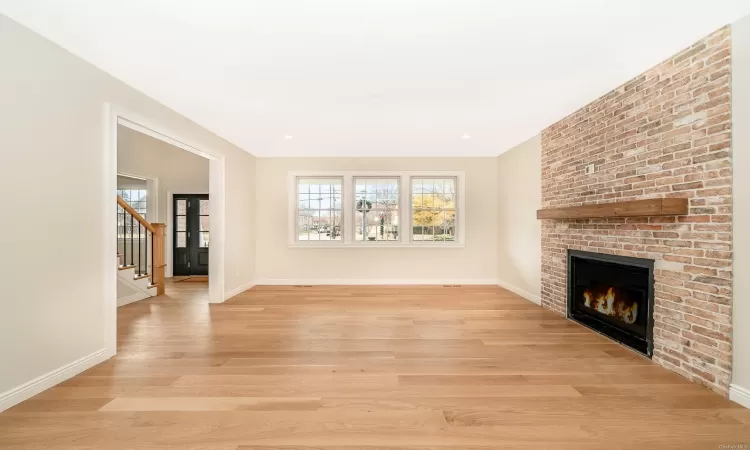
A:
(157, 242)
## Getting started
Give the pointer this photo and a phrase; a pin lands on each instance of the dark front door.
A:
(191, 234)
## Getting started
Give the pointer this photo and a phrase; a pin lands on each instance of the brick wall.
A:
(666, 133)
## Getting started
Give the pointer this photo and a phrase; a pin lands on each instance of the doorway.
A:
(191, 234)
(114, 116)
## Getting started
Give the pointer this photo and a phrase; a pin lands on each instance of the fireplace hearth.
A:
(613, 295)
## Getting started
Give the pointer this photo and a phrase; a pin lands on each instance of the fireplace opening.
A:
(613, 295)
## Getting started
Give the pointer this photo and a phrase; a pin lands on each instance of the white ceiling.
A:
(377, 77)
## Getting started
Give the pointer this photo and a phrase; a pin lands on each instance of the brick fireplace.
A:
(666, 133)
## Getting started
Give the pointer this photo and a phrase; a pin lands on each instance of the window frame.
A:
(295, 215)
(353, 206)
(143, 211)
(456, 225)
(404, 214)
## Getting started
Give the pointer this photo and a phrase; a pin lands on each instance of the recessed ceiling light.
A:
(287, 136)
(465, 137)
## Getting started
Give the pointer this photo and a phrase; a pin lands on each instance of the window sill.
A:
(338, 245)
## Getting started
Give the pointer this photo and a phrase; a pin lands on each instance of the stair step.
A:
(126, 267)
(138, 277)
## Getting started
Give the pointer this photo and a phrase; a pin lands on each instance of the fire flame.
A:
(607, 304)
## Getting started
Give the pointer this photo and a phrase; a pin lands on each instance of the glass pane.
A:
(181, 239)
(450, 218)
(360, 188)
(378, 225)
(442, 230)
(448, 234)
(182, 207)
(203, 242)
(181, 223)
(204, 207)
(205, 220)
(304, 227)
(416, 200)
(417, 228)
(426, 219)
(336, 222)
(304, 201)
(449, 186)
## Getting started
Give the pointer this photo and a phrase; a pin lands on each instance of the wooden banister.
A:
(157, 242)
(156, 250)
(135, 214)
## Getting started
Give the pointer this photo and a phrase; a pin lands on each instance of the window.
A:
(203, 224)
(181, 223)
(136, 198)
(319, 209)
(433, 209)
(376, 211)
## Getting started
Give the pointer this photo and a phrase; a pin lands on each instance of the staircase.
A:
(140, 256)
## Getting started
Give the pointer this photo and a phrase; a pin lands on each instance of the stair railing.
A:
(137, 239)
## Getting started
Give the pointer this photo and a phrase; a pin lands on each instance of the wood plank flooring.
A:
(373, 367)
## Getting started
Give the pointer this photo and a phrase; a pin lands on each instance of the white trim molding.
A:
(516, 290)
(132, 298)
(740, 395)
(370, 282)
(112, 117)
(29, 389)
(238, 290)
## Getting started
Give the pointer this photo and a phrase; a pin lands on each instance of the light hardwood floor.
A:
(368, 367)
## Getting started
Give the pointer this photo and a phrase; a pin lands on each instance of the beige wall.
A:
(741, 192)
(52, 144)
(519, 232)
(177, 170)
(276, 262)
(127, 182)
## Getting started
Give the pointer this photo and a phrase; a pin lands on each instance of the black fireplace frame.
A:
(601, 327)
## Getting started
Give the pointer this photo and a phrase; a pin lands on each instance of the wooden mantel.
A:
(634, 208)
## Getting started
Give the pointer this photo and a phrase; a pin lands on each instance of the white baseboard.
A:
(238, 290)
(739, 395)
(29, 389)
(132, 298)
(516, 290)
(369, 281)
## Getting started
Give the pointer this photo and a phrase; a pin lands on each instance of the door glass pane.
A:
(181, 239)
(204, 223)
(181, 223)
(182, 207)
(203, 239)
(204, 207)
